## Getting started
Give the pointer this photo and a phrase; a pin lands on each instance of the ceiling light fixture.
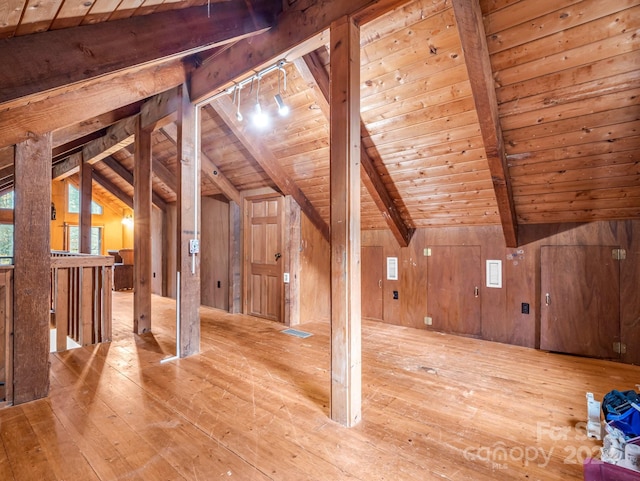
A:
(260, 118)
(283, 109)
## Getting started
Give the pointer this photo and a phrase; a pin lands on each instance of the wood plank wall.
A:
(502, 320)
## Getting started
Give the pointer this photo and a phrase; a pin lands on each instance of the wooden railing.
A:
(6, 332)
(81, 298)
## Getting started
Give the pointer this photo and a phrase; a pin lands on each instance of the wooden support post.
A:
(188, 225)
(142, 232)
(292, 233)
(32, 259)
(86, 194)
(235, 258)
(346, 357)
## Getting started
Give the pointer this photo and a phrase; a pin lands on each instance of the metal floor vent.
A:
(296, 333)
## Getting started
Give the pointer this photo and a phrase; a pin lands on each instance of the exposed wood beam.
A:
(160, 110)
(188, 225)
(265, 158)
(6, 216)
(474, 45)
(118, 136)
(113, 189)
(124, 173)
(32, 269)
(142, 231)
(80, 102)
(67, 167)
(88, 127)
(314, 73)
(346, 356)
(56, 58)
(209, 168)
(299, 30)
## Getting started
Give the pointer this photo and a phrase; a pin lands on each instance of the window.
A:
(73, 239)
(73, 205)
(6, 200)
(6, 244)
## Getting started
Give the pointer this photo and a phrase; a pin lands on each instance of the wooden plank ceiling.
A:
(504, 112)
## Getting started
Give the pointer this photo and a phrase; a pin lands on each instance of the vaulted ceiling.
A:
(501, 112)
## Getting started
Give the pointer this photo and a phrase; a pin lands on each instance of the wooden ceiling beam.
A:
(113, 189)
(124, 173)
(66, 167)
(209, 169)
(316, 76)
(117, 137)
(474, 45)
(265, 158)
(56, 58)
(299, 30)
(81, 102)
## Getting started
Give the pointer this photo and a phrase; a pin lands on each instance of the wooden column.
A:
(346, 376)
(32, 260)
(86, 193)
(188, 225)
(142, 232)
(292, 233)
(235, 259)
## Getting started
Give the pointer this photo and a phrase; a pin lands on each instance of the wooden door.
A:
(454, 278)
(580, 300)
(263, 244)
(372, 270)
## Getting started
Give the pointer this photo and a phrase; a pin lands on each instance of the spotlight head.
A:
(260, 119)
(283, 109)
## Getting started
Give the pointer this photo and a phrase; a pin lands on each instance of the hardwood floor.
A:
(254, 406)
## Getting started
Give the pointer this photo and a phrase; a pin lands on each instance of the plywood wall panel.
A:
(315, 274)
(502, 317)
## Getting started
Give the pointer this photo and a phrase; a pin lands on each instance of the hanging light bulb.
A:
(283, 109)
(260, 118)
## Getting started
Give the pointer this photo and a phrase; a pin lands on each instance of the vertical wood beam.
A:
(476, 54)
(292, 236)
(235, 259)
(188, 193)
(346, 357)
(142, 231)
(86, 194)
(32, 259)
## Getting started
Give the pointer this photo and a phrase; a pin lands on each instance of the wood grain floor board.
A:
(254, 406)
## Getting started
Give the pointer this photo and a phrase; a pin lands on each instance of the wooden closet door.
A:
(263, 243)
(453, 294)
(580, 300)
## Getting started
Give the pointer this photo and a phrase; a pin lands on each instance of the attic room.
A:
(316, 240)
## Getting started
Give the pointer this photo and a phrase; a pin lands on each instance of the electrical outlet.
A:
(428, 321)
(286, 278)
(395, 294)
(525, 308)
(194, 246)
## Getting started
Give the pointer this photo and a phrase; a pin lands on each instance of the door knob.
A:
(278, 255)
(476, 292)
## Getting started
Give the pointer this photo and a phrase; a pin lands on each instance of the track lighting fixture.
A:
(259, 117)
